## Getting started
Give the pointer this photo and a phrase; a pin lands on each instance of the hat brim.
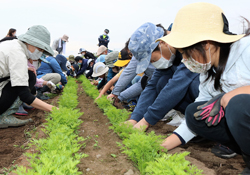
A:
(143, 64)
(121, 63)
(182, 40)
(100, 73)
(37, 43)
(65, 40)
(44, 60)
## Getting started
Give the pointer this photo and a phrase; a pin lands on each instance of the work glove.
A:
(212, 111)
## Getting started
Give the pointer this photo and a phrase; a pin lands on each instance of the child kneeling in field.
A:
(100, 70)
(123, 59)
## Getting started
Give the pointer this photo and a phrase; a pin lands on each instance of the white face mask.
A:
(35, 55)
(195, 66)
(163, 63)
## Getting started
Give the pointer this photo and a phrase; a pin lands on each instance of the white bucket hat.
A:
(38, 36)
(99, 69)
(199, 22)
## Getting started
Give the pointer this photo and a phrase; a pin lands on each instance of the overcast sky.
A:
(84, 20)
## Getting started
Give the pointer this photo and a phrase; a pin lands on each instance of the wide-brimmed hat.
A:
(111, 58)
(142, 43)
(199, 22)
(38, 36)
(99, 69)
(123, 58)
(65, 38)
(71, 58)
(81, 50)
(101, 49)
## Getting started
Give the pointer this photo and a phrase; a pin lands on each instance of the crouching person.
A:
(16, 81)
(100, 71)
(52, 71)
(172, 86)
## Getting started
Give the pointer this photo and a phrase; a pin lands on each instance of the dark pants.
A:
(234, 128)
(10, 94)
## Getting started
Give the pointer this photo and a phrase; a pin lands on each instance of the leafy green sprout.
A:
(96, 144)
(113, 155)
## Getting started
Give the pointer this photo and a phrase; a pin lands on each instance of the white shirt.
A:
(13, 63)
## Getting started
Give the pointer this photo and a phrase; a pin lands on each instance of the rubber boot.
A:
(41, 91)
(6, 119)
(21, 111)
(27, 107)
(246, 159)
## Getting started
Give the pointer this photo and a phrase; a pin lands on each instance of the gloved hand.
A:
(212, 111)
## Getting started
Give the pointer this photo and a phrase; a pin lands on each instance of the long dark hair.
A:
(11, 31)
(224, 53)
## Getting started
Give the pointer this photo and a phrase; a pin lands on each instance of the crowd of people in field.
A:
(196, 66)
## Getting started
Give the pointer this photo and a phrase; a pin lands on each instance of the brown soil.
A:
(95, 127)
(202, 152)
(15, 139)
(100, 161)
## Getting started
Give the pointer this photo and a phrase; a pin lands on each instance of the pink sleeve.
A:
(39, 82)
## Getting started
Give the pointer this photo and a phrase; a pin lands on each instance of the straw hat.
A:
(38, 36)
(99, 69)
(199, 22)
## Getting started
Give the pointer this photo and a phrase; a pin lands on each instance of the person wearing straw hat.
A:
(124, 58)
(221, 112)
(16, 80)
(60, 44)
(100, 70)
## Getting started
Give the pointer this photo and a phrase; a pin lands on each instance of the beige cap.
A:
(100, 50)
(198, 22)
(65, 38)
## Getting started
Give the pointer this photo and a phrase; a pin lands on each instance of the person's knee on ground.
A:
(237, 115)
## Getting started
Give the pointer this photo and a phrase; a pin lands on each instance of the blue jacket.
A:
(84, 66)
(103, 41)
(53, 67)
(172, 88)
(111, 74)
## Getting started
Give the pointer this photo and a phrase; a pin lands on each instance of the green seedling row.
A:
(142, 148)
(58, 153)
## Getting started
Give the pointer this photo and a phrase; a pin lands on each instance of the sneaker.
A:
(223, 152)
(51, 85)
(132, 106)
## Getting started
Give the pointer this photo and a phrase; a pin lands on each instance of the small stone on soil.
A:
(129, 172)
(88, 169)
(98, 156)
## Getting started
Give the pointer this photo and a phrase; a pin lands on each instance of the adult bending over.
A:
(16, 80)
